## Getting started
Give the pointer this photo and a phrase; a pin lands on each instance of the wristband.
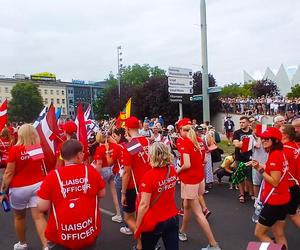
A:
(261, 171)
(123, 192)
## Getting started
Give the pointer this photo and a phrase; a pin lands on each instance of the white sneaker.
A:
(117, 218)
(182, 236)
(209, 247)
(19, 246)
(126, 230)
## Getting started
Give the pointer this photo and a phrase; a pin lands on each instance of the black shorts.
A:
(130, 199)
(272, 213)
(294, 201)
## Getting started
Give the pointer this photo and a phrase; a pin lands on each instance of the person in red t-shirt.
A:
(136, 163)
(5, 144)
(191, 174)
(106, 154)
(275, 194)
(23, 176)
(72, 176)
(292, 155)
(157, 213)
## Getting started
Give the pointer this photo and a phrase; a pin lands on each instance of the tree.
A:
(26, 102)
(264, 87)
(295, 92)
(231, 90)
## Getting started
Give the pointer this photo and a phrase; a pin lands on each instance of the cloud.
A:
(79, 39)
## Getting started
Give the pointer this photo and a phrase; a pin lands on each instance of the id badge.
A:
(229, 127)
(121, 172)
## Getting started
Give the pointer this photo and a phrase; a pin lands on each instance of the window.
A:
(51, 91)
(70, 101)
(46, 101)
(57, 92)
(52, 100)
(46, 91)
(6, 89)
(64, 110)
(58, 101)
(62, 92)
(63, 101)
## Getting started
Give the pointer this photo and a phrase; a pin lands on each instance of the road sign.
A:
(180, 72)
(196, 98)
(180, 82)
(180, 90)
(214, 90)
(179, 98)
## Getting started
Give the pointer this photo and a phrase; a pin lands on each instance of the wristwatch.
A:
(261, 171)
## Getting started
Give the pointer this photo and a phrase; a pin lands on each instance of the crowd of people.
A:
(264, 105)
(142, 162)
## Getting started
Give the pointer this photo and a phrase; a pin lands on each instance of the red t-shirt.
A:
(298, 163)
(117, 156)
(100, 153)
(138, 162)
(27, 171)
(291, 154)
(281, 194)
(72, 177)
(5, 145)
(153, 182)
(195, 174)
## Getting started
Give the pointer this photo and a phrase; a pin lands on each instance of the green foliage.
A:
(295, 92)
(232, 90)
(26, 102)
(264, 87)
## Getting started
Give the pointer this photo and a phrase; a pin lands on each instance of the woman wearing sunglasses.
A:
(275, 189)
(191, 175)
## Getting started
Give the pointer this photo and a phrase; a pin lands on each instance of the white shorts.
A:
(192, 191)
(24, 197)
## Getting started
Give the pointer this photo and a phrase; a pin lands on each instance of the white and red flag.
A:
(248, 144)
(260, 128)
(166, 140)
(3, 114)
(49, 137)
(134, 146)
(82, 132)
(35, 152)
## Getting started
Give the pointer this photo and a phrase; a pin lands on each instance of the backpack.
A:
(77, 220)
(217, 137)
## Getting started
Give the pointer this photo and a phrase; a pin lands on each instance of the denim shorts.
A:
(107, 174)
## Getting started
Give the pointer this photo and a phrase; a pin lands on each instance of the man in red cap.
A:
(136, 163)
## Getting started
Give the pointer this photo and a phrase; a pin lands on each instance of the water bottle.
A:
(6, 205)
(258, 208)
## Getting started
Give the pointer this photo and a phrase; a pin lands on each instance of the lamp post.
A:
(120, 65)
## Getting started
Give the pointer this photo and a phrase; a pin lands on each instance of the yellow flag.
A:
(128, 108)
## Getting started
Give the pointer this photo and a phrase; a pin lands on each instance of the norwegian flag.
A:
(35, 152)
(3, 114)
(48, 132)
(134, 146)
(41, 117)
(166, 140)
(248, 144)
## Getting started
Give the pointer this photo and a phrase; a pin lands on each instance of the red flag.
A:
(3, 114)
(134, 146)
(48, 130)
(35, 152)
(248, 144)
(82, 133)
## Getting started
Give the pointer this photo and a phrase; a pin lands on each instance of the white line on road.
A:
(107, 212)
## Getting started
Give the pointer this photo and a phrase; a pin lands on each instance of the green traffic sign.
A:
(196, 98)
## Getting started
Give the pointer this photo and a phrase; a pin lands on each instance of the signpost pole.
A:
(205, 104)
(180, 111)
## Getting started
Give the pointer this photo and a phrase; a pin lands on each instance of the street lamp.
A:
(120, 65)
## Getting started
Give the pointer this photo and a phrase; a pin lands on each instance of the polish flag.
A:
(49, 137)
(134, 146)
(35, 152)
(3, 114)
(248, 144)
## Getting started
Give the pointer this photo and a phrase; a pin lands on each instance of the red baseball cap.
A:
(132, 122)
(272, 132)
(69, 127)
(183, 122)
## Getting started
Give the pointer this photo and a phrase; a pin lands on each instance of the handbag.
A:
(148, 223)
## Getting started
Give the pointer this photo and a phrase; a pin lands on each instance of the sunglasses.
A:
(186, 129)
(265, 139)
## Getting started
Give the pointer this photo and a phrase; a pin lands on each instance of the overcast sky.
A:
(79, 39)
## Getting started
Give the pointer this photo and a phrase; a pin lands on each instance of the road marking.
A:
(107, 212)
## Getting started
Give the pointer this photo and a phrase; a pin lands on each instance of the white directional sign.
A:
(180, 82)
(176, 90)
(180, 72)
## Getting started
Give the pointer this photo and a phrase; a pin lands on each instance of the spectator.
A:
(146, 131)
(278, 121)
(229, 128)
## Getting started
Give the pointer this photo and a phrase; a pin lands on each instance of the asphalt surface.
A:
(230, 221)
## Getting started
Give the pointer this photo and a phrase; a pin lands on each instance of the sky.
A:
(79, 39)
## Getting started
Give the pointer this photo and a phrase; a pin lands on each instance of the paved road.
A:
(231, 222)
